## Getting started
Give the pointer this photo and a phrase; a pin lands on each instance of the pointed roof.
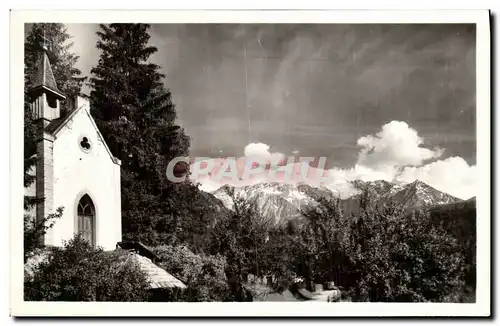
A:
(44, 78)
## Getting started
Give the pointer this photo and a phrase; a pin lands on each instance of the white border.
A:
(480, 308)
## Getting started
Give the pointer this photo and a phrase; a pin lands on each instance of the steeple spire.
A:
(44, 75)
(44, 94)
(44, 46)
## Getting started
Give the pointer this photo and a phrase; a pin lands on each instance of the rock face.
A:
(277, 201)
(410, 195)
(284, 202)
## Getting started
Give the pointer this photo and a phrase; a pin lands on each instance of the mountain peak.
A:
(418, 193)
(418, 183)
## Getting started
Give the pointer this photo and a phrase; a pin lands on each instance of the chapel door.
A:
(86, 219)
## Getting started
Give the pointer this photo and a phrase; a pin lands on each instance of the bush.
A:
(78, 272)
(203, 274)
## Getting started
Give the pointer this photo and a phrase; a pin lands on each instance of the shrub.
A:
(203, 274)
(78, 272)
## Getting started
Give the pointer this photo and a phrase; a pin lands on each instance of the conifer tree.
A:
(136, 116)
(132, 108)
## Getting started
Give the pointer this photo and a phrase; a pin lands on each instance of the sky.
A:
(379, 101)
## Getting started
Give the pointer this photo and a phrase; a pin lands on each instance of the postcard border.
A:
(269, 309)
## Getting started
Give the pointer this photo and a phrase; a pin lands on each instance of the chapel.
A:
(75, 169)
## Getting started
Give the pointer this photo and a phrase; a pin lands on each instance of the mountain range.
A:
(283, 202)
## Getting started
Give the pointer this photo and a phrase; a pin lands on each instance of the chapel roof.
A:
(54, 124)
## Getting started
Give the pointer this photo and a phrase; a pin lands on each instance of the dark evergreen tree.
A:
(132, 108)
(136, 116)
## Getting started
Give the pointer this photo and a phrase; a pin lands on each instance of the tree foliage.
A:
(78, 272)
(386, 253)
(29, 153)
(241, 237)
(376, 254)
(34, 230)
(203, 274)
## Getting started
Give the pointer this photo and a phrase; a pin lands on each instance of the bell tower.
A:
(44, 96)
(45, 99)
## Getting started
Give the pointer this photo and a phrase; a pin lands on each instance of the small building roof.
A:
(157, 276)
(145, 258)
(138, 247)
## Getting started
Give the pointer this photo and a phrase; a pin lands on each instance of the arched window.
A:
(86, 218)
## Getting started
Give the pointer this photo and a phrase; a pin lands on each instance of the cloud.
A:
(212, 173)
(395, 153)
(261, 151)
(396, 145)
(452, 175)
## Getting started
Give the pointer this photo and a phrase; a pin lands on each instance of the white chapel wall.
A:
(77, 173)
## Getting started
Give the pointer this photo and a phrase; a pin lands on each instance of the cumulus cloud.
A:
(257, 149)
(261, 151)
(212, 173)
(395, 145)
(452, 175)
(396, 153)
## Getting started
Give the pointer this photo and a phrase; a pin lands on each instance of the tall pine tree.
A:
(136, 116)
(133, 109)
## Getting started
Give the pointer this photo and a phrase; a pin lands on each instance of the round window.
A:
(85, 144)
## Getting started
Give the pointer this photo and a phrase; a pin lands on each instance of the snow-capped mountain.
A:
(283, 202)
(412, 194)
(278, 201)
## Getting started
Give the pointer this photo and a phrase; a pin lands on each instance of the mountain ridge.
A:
(283, 202)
